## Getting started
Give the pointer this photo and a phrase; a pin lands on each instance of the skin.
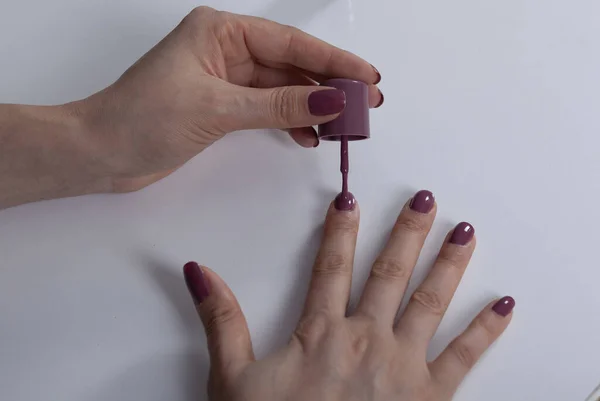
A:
(336, 354)
(215, 73)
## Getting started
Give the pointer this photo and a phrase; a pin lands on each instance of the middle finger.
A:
(392, 270)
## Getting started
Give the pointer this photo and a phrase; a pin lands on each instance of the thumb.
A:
(287, 106)
(227, 334)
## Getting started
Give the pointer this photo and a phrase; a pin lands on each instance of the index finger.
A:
(276, 43)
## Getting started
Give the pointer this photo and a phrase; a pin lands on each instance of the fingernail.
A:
(462, 234)
(326, 102)
(345, 201)
(382, 98)
(196, 282)
(378, 80)
(317, 142)
(504, 306)
(422, 202)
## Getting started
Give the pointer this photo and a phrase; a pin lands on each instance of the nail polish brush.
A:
(351, 125)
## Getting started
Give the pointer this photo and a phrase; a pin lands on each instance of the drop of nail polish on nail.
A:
(345, 201)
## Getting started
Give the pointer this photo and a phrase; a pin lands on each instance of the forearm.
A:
(46, 153)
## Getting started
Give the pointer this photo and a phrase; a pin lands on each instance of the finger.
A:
(305, 136)
(283, 107)
(274, 76)
(451, 367)
(430, 300)
(375, 95)
(265, 77)
(273, 42)
(392, 270)
(329, 289)
(227, 334)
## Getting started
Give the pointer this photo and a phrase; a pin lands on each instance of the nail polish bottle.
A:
(351, 125)
(353, 122)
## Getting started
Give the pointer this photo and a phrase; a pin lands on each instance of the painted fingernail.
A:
(504, 306)
(317, 142)
(345, 201)
(382, 98)
(326, 102)
(196, 282)
(378, 80)
(422, 202)
(462, 234)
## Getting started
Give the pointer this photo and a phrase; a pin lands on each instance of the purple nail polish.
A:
(326, 102)
(422, 202)
(462, 234)
(504, 306)
(345, 201)
(382, 99)
(196, 282)
(378, 80)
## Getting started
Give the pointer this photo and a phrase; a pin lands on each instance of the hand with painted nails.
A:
(216, 73)
(363, 354)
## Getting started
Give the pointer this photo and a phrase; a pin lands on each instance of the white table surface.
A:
(493, 105)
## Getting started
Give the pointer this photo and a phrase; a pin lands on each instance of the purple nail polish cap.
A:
(353, 122)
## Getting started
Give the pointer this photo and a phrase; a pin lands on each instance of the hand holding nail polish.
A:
(364, 353)
(190, 90)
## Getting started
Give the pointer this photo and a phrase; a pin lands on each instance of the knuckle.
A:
(453, 258)
(331, 263)
(311, 330)
(292, 44)
(411, 224)
(199, 13)
(223, 26)
(485, 329)
(447, 261)
(219, 316)
(283, 105)
(463, 353)
(226, 28)
(389, 269)
(344, 225)
(329, 60)
(360, 344)
(430, 300)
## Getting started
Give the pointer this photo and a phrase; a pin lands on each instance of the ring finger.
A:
(430, 300)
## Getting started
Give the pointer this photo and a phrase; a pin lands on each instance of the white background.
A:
(493, 105)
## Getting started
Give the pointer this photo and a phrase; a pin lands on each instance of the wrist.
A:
(84, 145)
(96, 153)
(47, 153)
